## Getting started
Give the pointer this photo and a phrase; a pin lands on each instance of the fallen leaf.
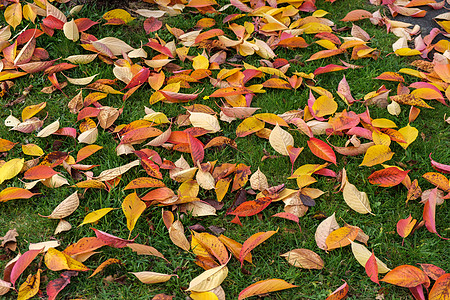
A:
(265, 286)
(304, 258)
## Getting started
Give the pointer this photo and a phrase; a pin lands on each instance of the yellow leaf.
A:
(324, 106)
(11, 168)
(32, 149)
(96, 215)
(118, 14)
(30, 287)
(341, 237)
(380, 138)
(377, 154)
(29, 13)
(31, 110)
(13, 14)
(280, 139)
(203, 296)
(57, 261)
(249, 126)
(209, 279)
(156, 118)
(132, 207)
(315, 27)
(410, 134)
(362, 255)
(71, 31)
(407, 52)
(264, 286)
(200, 62)
(49, 129)
(383, 123)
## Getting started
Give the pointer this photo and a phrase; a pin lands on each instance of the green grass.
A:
(388, 204)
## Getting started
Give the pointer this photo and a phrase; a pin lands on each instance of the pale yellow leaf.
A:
(209, 279)
(49, 129)
(89, 136)
(113, 173)
(199, 209)
(176, 234)
(43, 246)
(204, 121)
(280, 139)
(66, 207)
(152, 277)
(115, 45)
(258, 181)
(81, 59)
(63, 225)
(81, 81)
(205, 180)
(71, 31)
(304, 258)
(358, 201)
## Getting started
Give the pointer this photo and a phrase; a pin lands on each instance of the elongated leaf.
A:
(341, 237)
(96, 215)
(252, 242)
(322, 150)
(406, 276)
(265, 286)
(22, 263)
(152, 277)
(208, 280)
(132, 207)
(304, 258)
(441, 288)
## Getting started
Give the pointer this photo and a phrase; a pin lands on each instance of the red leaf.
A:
(84, 24)
(322, 150)
(252, 242)
(39, 172)
(417, 292)
(139, 78)
(59, 67)
(288, 216)
(151, 168)
(251, 207)
(22, 263)
(152, 24)
(113, 241)
(372, 268)
(25, 36)
(440, 167)
(340, 293)
(57, 285)
(158, 47)
(429, 213)
(388, 177)
(432, 271)
(178, 97)
(293, 155)
(53, 23)
(329, 68)
(196, 148)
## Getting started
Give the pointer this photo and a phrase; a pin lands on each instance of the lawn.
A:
(388, 204)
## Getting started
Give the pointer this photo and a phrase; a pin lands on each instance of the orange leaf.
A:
(357, 14)
(293, 42)
(277, 83)
(39, 172)
(340, 293)
(207, 35)
(438, 180)
(391, 76)
(6, 145)
(404, 226)
(265, 286)
(372, 268)
(87, 151)
(329, 68)
(341, 237)
(407, 276)
(441, 288)
(252, 207)
(234, 247)
(388, 177)
(213, 245)
(144, 182)
(322, 150)
(252, 242)
(230, 91)
(12, 193)
(100, 268)
(139, 135)
(241, 176)
(325, 54)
